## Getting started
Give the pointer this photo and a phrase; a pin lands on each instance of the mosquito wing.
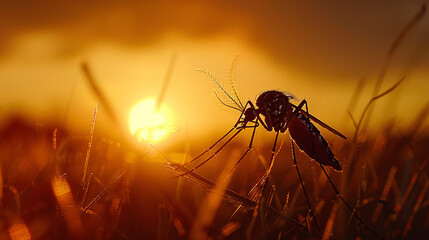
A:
(290, 96)
(322, 124)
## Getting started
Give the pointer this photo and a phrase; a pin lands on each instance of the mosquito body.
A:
(274, 110)
(279, 116)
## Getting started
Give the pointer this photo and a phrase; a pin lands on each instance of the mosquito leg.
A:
(268, 126)
(217, 151)
(226, 134)
(348, 206)
(256, 191)
(259, 187)
(310, 209)
(362, 223)
(273, 152)
(242, 113)
(270, 166)
(239, 128)
(316, 120)
(214, 154)
(268, 120)
(283, 113)
(247, 150)
(293, 115)
(208, 149)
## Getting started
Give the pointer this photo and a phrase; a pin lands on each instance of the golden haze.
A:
(316, 51)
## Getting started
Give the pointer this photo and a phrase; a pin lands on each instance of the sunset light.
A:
(177, 120)
(146, 123)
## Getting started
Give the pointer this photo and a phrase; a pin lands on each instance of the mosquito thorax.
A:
(272, 102)
(274, 105)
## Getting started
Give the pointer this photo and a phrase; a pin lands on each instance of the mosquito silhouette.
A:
(275, 110)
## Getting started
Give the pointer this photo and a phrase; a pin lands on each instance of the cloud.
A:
(330, 37)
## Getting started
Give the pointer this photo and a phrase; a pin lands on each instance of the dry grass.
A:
(57, 184)
(128, 197)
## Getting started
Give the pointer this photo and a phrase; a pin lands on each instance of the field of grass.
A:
(127, 195)
(61, 184)
(58, 183)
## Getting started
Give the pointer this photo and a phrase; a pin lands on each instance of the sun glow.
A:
(147, 124)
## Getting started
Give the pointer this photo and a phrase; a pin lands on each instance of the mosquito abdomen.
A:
(309, 140)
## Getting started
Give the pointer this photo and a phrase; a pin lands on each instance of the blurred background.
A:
(317, 51)
(330, 53)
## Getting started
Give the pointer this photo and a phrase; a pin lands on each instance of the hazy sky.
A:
(318, 50)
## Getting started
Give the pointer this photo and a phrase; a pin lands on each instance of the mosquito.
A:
(275, 111)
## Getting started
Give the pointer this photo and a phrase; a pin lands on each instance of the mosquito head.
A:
(249, 114)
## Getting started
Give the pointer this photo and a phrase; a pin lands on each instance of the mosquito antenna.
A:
(218, 98)
(231, 80)
(220, 86)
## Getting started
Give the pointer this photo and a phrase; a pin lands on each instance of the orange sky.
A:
(318, 51)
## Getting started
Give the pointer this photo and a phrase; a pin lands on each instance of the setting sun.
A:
(147, 124)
